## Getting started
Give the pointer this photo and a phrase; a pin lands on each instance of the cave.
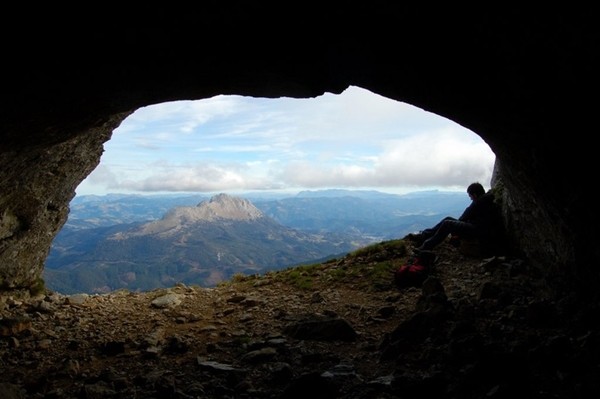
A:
(522, 80)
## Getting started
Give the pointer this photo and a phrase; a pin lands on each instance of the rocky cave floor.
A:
(477, 328)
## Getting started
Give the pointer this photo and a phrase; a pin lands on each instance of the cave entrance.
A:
(182, 153)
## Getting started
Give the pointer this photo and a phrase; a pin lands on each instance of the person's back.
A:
(483, 213)
(486, 217)
(489, 225)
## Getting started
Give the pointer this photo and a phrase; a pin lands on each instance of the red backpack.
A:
(413, 273)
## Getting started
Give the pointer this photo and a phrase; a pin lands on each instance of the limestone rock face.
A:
(520, 80)
(221, 206)
(38, 183)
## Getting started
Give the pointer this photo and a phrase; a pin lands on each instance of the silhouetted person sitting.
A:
(481, 220)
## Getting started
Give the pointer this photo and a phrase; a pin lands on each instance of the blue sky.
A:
(235, 144)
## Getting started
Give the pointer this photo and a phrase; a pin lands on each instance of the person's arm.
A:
(466, 215)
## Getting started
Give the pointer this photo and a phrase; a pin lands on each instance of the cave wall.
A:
(38, 183)
(521, 80)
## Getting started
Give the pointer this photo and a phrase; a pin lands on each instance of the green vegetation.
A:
(382, 250)
(37, 287)
(302, 277)
(370, 268)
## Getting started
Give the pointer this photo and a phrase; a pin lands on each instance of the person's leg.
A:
(446, 227)
(425, 234)
(430, 232)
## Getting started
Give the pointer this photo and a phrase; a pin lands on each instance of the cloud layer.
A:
(355, 140)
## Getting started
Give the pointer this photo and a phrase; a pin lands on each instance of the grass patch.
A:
(370, 268)
(300, 279)
(38, 287)
(382, 250)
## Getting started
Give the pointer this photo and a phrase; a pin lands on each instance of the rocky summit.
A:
(476, 328)
(221, 207)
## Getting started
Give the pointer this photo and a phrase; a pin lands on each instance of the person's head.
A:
(475, 190)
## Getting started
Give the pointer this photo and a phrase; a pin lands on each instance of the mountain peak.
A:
(223, 206)
(218, 208)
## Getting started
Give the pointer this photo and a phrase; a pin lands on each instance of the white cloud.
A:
(232, 143)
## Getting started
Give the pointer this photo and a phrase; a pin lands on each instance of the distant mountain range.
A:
(145, 242)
